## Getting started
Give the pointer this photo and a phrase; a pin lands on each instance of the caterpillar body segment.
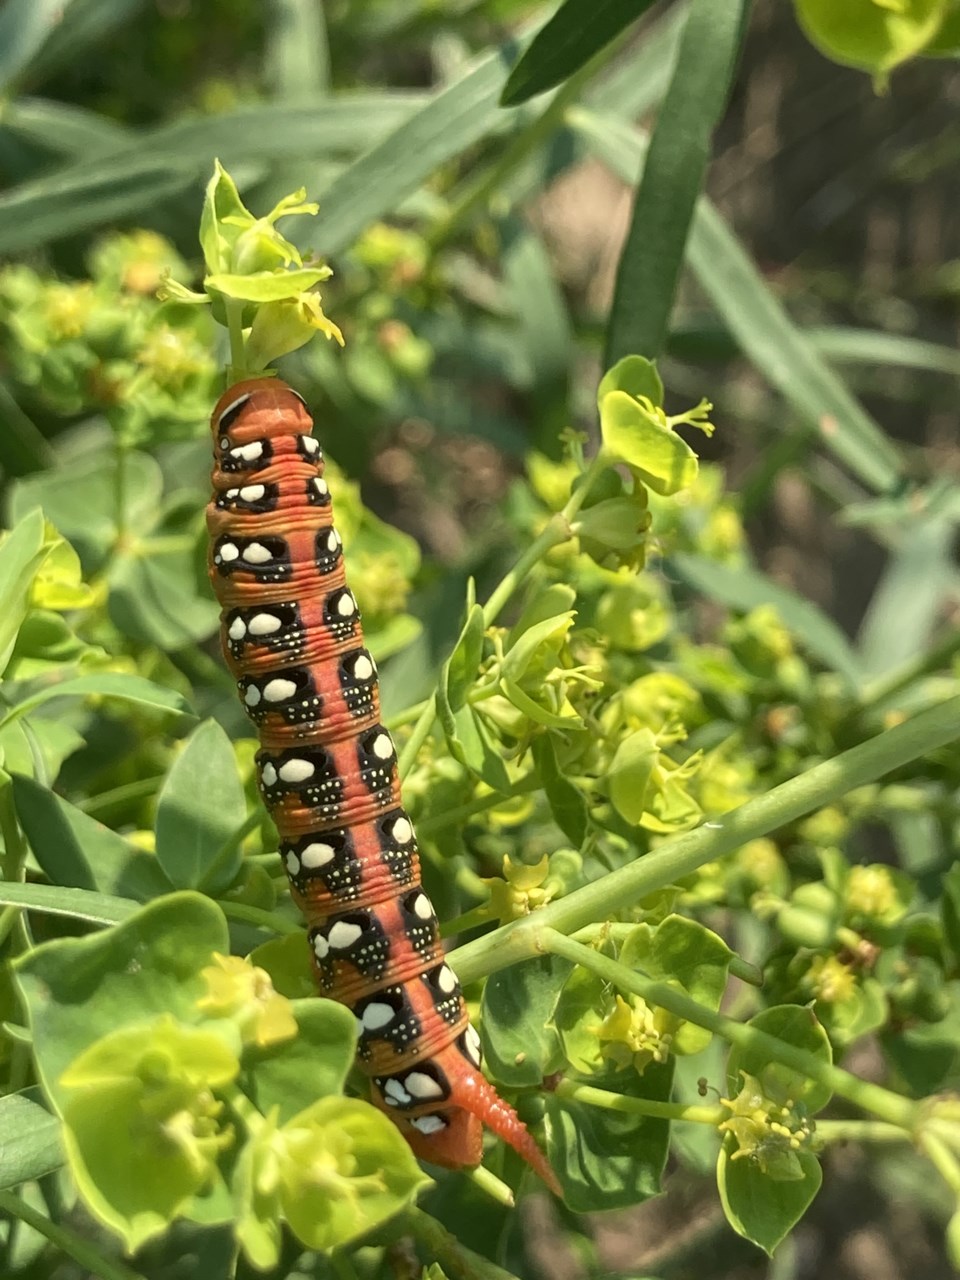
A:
(291, 635)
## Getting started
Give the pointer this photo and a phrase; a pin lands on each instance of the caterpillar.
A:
(327, 769)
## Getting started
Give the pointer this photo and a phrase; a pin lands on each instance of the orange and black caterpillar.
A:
(291, 635)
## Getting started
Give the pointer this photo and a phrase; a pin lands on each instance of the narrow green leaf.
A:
(21, 554)
(453, 120)
(24, 27)
(298, 54)
(578, 30)
(567, 805)
(459, 672)
(757, 319)
(23, 448)
(200, 806)
(31, 1139)
(908, 600)
(843, 345)
(74, 849)
(157, 163)
(62, 128)
(672, 178)
(744, 588)
(105, 684)
(77, 904)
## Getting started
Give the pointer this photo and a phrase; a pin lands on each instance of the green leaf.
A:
(199, 809)
(24, 27)
(635, 375)
(908, 601)
(578, 30)
(609, 1159)
(679, 151)
(157, 163)
(77, 990)
(22, 552)
(459, 672)
(745, 589)
(631, 770)
(75, 904)
(74, 849)
(688, 955)
(450, 122)
(761, 1208)
(520, 1046)
(268, 286)
(876, 35)
(662, 459)
(470, 743)
(105, 684)
(31, 1140)
(758, 321)
(62, 128)
(567, 804)
(795, 1025)
(293, 1075)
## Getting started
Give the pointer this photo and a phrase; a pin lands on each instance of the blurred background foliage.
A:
(476, 252)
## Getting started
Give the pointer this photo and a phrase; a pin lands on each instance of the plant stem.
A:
(461, 812)
(738, 967)
(234, 310)
(556, 531)
(641, 1106)
(881, 1102)
(448, 1250)
(823, 784)
(73, 1245)
(923, 664)
(271, 920)
(492, 1186)
(859, 1131)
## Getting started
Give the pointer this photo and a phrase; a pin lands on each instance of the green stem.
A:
(640, 1106)
(238, 354)
(270, 920)
(738, 967)
(244, 1110)
(14, 845)
(822, 785)
(492, 1186)
(943, 1160)
(556, 531)
(881, 1102)
(448, 1250)
(491, 181)
(407, 716)
(859, 1131)
(68, 1242)
(460, 813)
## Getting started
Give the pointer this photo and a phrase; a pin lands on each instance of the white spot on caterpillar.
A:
(321, 948)
(376, 1015)
(237, 629)
(228, 551)
(231, 494)
(422, 1086)
(343, 935)
(252, 695)
(395, 1091)
(321, 487)
(293, 863)
(334, 541)
(317, 855)
(447, 980)
(264, 624)
(224, 442)
(257, 553)
(296, 770)
(471, 1040)
(268, 775)
(346, 605)
(429, 1124)
(279, 690)
(229, 409)
(402, 831)
(248, 452)
(362, 668)
(382, 747)
(423, 907)
(252, 492)
(310, 444)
